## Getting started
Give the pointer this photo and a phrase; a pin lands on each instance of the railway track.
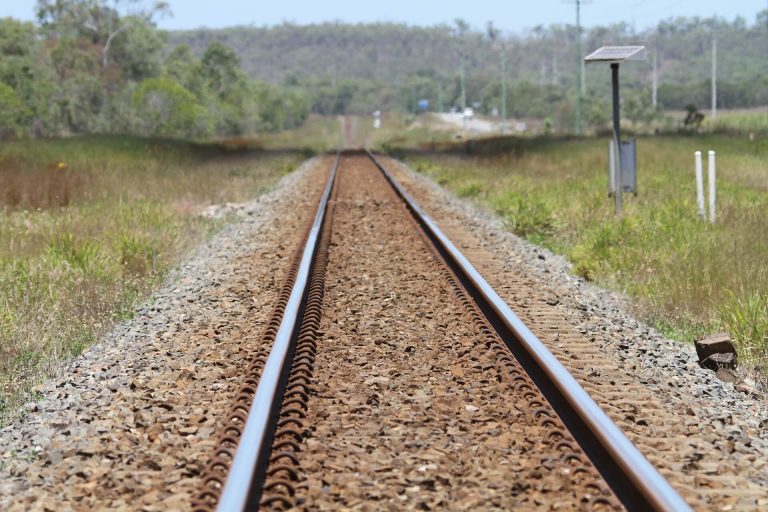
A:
(275, 437)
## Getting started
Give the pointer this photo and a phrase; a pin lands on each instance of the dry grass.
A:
(87, 228)
(688, 277)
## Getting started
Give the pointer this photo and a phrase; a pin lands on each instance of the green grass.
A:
(321, 133)
(688, 277)
(317, 134)
(740, 122)
(88, 226)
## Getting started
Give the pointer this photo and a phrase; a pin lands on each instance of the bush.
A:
(167, 109)
(13, 113)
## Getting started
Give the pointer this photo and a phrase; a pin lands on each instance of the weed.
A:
(64, 249)
(746, 318)
(471, 189)
(137, 254)
(525, 214)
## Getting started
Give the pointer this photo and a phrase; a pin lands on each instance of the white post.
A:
(712, 187)
(700, 186)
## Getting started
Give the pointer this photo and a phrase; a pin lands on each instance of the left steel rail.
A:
(252, 453)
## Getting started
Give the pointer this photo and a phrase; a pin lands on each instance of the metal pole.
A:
(655, 78)
(463, 95)
(617, 137)
(463, 89)
(714, 77)
(578, 85)
(440, 106)
(712, 186)
(503, 90)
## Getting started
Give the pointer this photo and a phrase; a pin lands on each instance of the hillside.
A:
(384, 60)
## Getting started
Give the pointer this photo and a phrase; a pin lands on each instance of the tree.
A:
(139, 52)
(167, 109)
(597, 110)
(182, 66)
(220, 67)
(13, 113)
(639, 108)
(693, 119)
(101, 20)
(17, 66)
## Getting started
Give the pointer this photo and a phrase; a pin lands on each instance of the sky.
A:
(509, 15)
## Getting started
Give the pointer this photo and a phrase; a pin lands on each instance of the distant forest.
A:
(364, 67)
(103, 66)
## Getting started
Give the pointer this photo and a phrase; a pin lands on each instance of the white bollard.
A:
(712, 186)
(700, 186)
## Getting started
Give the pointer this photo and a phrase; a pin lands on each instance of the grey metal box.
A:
(628, 166)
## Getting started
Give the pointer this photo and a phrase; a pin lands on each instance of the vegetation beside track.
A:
(88, 226)
(688, 277)
(745, 122)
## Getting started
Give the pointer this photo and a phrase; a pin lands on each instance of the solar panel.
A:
(616, 54)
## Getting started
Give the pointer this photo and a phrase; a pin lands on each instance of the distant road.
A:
(475, 124)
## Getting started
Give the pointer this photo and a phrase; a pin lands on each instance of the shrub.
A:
(13, 113)
(167, 109)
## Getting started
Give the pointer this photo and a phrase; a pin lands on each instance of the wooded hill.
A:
(363, 67)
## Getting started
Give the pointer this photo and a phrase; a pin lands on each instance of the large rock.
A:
(716, 351)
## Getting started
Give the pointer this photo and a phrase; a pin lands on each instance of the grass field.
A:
(746, 122)
(88, 226)
(688, 277)
(328, 133)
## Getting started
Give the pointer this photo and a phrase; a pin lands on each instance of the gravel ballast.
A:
(130, 423)
(709, 437)
(410, 410)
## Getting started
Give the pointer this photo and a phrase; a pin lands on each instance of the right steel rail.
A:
(633, 479)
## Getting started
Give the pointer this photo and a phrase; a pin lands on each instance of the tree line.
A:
(102, 66)
(358, 68)
(98, 66)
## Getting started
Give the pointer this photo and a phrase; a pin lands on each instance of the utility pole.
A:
(462, 27)
(578, 86)
(493, 35)
(461, 77)
(503, 89)
(655, 78)
(714, 77)
(554, 69)
(580, 83)
(440, 107)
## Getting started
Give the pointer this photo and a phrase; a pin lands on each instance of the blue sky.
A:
(509, 15)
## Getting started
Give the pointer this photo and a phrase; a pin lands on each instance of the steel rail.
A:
(634, 480)
(253, 449)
